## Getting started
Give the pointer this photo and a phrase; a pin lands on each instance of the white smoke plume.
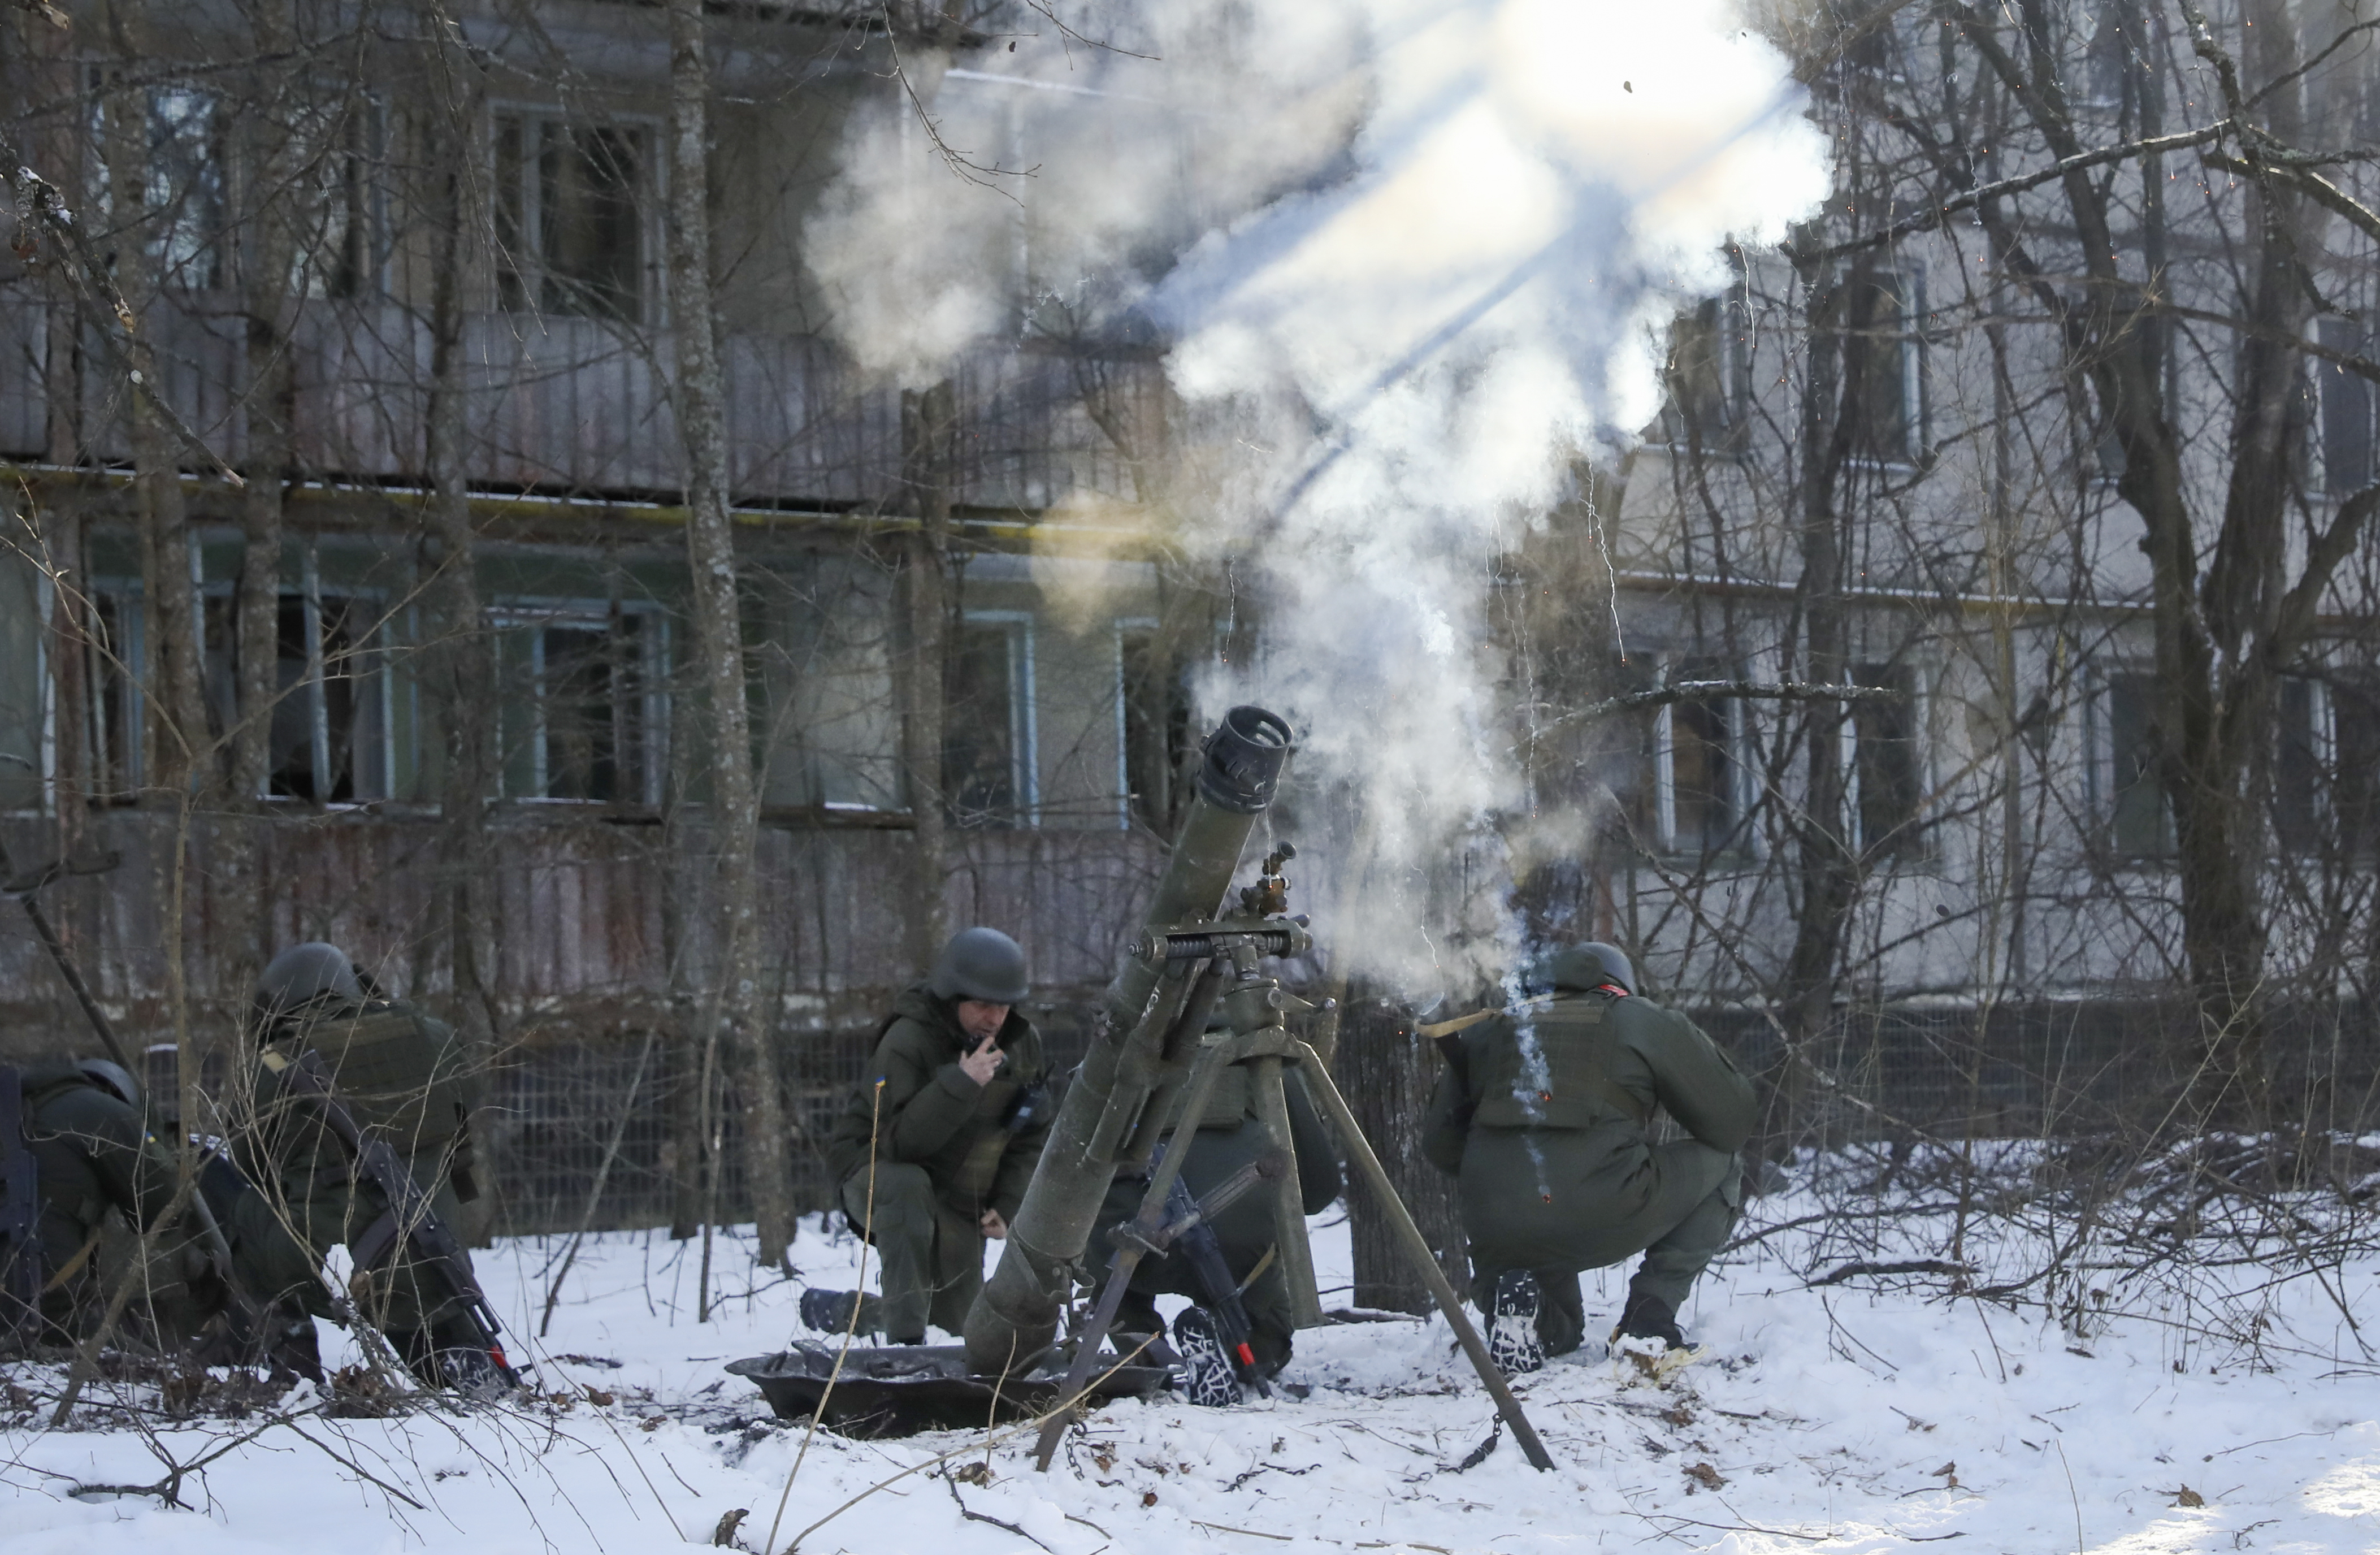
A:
(1415, 258)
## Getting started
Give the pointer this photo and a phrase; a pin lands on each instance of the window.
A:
(2138, 824)
(989, 772)
(2347, 405)
(330, 740)
(2109, 54)
(1708, 376)
(342, 248)
(2300, 760)
(583, 714)
(116, 710)
(1152, 725)
(182, 184)
(570, 218)
(2355, 747)
(1884, 365)
(1696, 784)
(1888, 768)
(23, 674)
(827, 665)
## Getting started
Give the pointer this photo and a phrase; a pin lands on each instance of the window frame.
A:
(536, 613)
(2107, 794)
(1916, 442)
(1024, 711)
(1663, 737)
(1918, 844)
(526, 261)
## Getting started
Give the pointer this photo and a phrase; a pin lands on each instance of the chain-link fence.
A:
(602, 1133)
(613, 1133)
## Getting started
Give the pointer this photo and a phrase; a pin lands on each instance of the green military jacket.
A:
(1586, 1060)
(404, 1076)
(931, 1114)
(92, 1152)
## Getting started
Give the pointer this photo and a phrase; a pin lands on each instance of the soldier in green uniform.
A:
(1540, 1116)
(1228, 1137)
(938, 1140)
(406, 1080)
(90, 1152)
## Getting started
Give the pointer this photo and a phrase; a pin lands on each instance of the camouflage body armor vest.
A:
(400, 1074)
(1553, 1070)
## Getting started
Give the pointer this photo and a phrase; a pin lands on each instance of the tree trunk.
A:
(177, 745)
(1387, 1072)
(267, 260)
(927, 418)
(458, 664)
(1832, 411)
(700, 401)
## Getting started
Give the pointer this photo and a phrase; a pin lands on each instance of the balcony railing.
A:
(577, 406)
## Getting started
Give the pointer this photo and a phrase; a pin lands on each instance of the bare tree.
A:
(702, 403)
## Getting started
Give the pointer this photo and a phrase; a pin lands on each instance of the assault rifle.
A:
(410, 1217)
(1204, 1250)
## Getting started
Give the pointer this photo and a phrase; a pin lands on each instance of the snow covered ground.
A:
(2210, 1410)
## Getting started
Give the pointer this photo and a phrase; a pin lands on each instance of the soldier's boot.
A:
(1513, 1342)
(1647, 1317)
(1207, 1377)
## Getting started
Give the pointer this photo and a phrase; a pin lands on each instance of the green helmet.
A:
(981, 964)
(1588, 966)
(302, 974)
(112, 1076)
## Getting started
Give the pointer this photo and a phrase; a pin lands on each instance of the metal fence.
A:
(561, 1110)
(2062, 1069)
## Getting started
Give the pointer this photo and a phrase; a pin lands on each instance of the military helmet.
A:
(982, 963)
(302, 974)
(110, 1076)
(1590, 965)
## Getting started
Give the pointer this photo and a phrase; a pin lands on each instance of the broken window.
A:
(584, 715)
(1888, 767)
(570, 218)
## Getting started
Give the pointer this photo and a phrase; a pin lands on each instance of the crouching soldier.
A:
(1229, 1136)
(935, 1148)
(405, 1081)
(77, 1147)
(1540, 1116)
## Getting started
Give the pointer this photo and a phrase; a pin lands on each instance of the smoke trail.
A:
(1427, 249)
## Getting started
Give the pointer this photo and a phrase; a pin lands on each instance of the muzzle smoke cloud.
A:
(1413, 260)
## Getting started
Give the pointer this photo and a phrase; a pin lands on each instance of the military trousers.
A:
(1556, 1202)
(929, 1255)
(1244, 1231)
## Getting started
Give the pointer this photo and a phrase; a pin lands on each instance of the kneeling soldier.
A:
(1540, 1116)
(939, 1139)
(405, 1081)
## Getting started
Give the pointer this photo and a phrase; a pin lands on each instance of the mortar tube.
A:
(1015, 1315)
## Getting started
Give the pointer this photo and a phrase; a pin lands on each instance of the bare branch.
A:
(2018, 185)
(1726, 690)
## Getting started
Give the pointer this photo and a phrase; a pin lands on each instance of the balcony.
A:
(566, 407)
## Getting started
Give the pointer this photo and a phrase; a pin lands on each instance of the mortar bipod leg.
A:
(1214, 1049)
(1425, 1262)
(1267, 1074)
